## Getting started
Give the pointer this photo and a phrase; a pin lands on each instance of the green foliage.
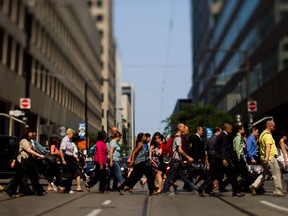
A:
(194, 115)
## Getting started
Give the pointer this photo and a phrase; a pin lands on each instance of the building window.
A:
(99, 18)
(100, 3)
(9, 51)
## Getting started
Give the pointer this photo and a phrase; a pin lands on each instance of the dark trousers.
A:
(231, 177)
(99, 175)
(139, 170)
(69, 170)
(176, 169)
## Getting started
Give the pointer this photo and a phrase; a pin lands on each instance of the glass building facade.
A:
(242, 57)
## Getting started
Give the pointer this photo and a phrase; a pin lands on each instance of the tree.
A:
(194, 115)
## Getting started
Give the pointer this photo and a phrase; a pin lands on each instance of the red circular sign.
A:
(252, 106)
(25, 103)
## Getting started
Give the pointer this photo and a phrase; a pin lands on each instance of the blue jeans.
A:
(117, 172)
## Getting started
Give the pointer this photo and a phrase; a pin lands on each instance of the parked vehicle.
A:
(9, 147)
(123, 166)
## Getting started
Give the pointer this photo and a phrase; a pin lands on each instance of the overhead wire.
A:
(170, 31)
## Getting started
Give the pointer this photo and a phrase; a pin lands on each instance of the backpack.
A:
(167, 150)
(92, 150)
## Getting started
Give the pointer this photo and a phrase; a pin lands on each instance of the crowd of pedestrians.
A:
(205, 165)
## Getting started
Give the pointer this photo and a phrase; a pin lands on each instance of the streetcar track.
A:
(235, 206)
(61, 205)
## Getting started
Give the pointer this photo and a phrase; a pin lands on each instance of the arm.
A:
(180, 151)
(53, 151)
(111, 155)
(267, 152)
(62, 156)
(237, 146)
(151, 152)
(136, 150)
(284, 153)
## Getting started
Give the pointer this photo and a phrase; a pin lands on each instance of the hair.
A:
(197, 129)
(216, 129)
(70, 131)
(139, 137)
(54, 140)
(226, 126)
(269, 123)
(101, 135)
(239, 128)
(179, 125)
(254, 128)
(25, 134)
(278, 135)
(116, 134)
(147, 134)
(74, 139)
(156, 134)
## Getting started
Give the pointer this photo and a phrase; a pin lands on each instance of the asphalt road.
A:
(139, 203)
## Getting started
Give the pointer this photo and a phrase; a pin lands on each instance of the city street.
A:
(138, 203)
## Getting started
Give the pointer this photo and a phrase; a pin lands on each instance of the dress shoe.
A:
(238, 194)
(121, 192)
(253, 190)
(200, 192)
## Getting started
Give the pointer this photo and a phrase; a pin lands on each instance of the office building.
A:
(242, 57)
(49, 51)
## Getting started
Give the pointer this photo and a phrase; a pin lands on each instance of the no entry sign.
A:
(252, 106)
(25, 103)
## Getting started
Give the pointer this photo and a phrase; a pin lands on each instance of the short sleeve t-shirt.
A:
(117, 150)
(266, 138)
(176, 143)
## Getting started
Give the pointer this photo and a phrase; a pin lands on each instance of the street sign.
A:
(25, 103)
(16, 113)
(252, 106)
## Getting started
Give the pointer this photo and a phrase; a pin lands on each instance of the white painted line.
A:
(106, 202)
(274, 206)
(94, 212)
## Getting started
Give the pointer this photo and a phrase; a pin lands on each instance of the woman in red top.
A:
(100, 161)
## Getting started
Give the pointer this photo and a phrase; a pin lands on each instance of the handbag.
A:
(199, 166)
(50, 158)
(255, 168)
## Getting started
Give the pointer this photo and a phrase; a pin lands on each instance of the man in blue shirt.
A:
(251, 146)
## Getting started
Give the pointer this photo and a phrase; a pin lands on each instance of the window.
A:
(9, 51)
(99, 3)
(99, 18)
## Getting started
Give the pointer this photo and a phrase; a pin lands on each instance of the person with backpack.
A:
(268, 154)
(176, 162)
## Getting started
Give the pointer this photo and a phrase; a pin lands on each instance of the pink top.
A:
(101, 153)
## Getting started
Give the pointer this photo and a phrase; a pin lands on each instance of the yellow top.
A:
(266, 138)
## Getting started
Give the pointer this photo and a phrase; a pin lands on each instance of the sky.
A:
(154, 41)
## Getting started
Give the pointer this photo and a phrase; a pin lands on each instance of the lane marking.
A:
(106, 202)
(274, 206)
(94, 212)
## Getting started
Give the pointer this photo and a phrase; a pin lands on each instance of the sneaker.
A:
(55, 188)
(71, 192)
(279, 194)
(253, 190)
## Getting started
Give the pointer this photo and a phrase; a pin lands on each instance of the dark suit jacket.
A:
(197, 150)
(224, 147)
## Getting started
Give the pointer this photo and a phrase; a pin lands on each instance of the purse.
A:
(50, 158)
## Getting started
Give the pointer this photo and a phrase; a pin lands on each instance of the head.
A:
(157, 138)
(240, 129)
(140, 138)
(228, 128)
(180, 128)
(199, 131)
(270, 125)
(101, 135)
(27, 134)
(186, 130)
(70, 133)
(54, 140)
(114, 130)
(217, 131)
(117, 136)
(148, 137)
(255, 131)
